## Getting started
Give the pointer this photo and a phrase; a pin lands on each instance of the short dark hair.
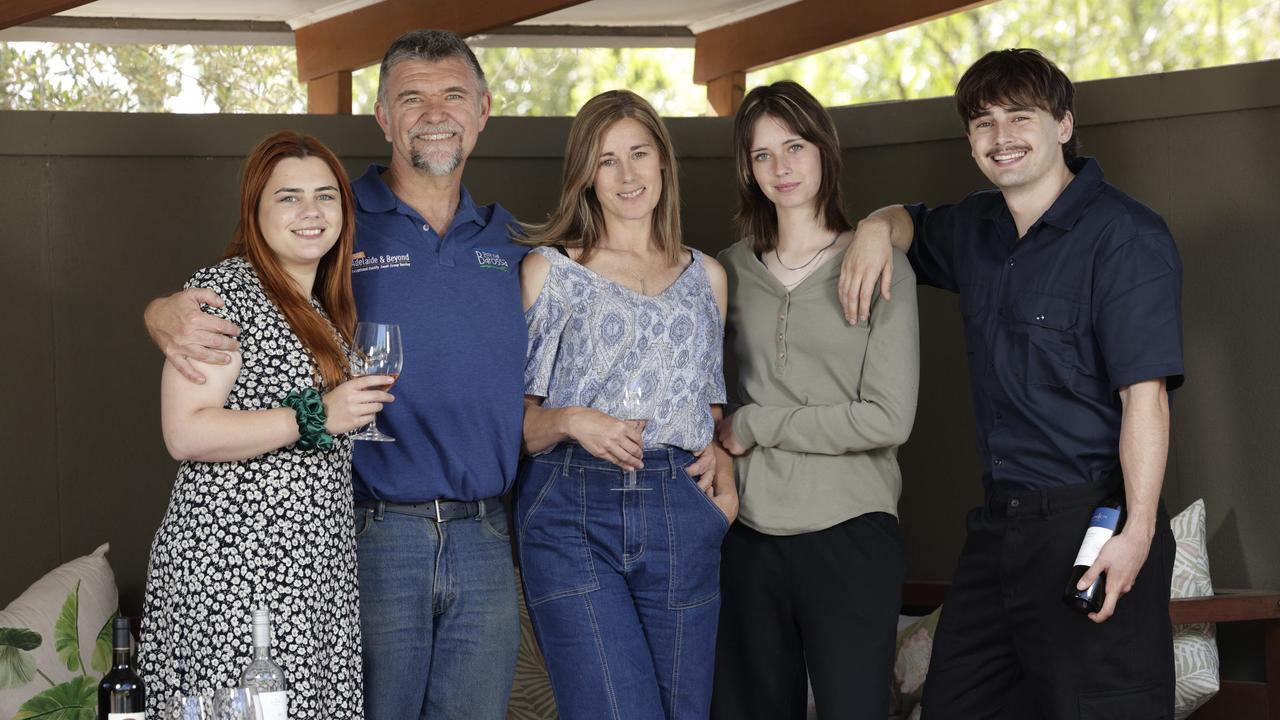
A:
(430, 45)
(798, 110)
(1020, 76)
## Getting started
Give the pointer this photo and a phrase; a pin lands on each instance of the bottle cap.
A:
(122, 639)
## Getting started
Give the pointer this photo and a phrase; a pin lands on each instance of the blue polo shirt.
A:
(1055, 323)
(460, 399)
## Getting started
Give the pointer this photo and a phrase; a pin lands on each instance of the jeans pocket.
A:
(696, 528)
(1150, 702)
(363, 521)
(551, 534)
(497, 523)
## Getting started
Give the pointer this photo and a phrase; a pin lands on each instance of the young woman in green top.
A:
(811, 575)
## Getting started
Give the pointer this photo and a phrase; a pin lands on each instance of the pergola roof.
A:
(334, 37)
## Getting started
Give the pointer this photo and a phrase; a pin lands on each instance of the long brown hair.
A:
(578, 220)
(333, 276)
(790, 104)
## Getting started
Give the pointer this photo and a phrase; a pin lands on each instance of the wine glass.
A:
(235, 704)
(189, 707)
(633, 412)
(377, 351)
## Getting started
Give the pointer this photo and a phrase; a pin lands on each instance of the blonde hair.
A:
(578, 220)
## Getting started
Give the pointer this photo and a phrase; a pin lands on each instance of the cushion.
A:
(55, 641)
(915, 645)
(1195, 652)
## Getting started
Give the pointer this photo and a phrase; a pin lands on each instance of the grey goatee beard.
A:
(437, 165)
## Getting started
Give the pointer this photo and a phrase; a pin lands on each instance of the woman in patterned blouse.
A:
(619, 543)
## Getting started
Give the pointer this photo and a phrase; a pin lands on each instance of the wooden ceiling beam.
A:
(806, 27)
(17, 12)
(361, 37)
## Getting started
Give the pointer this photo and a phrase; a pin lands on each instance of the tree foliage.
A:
(1090, 39)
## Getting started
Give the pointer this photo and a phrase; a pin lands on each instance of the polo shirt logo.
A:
(492, 261)
(364, 263)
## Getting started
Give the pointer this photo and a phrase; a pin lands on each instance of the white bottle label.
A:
(1101, 527)
(274, 705)
(126, 716)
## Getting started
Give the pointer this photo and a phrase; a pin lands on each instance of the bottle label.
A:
(1101, 527)
(275, 705)
(126, 716)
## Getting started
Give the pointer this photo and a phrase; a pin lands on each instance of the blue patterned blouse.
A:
(589, 337)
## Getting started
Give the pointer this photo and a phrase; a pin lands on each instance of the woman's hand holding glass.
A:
(608, 438)
(355, 403)
(377, 351)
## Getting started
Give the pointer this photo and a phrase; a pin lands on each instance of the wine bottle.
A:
(1106, 521)
(121, 694)
(263, 674)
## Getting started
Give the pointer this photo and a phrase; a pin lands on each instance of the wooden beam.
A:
(17, 12)
(330, 95)
(361, 37)
(725, 93)
(807, 27)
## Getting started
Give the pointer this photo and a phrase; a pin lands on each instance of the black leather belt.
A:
(438, 510)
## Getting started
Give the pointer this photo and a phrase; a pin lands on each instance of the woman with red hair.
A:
(260, 515)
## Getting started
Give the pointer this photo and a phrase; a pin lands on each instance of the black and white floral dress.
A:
(272, 531)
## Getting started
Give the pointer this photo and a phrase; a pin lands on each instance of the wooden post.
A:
(330, 95)
(725, 93)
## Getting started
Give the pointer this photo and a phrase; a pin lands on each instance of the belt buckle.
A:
(437, 504)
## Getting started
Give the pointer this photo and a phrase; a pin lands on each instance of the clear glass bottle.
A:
(263, 674)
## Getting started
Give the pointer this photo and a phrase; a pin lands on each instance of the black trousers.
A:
(825, 602)
(1004, 626)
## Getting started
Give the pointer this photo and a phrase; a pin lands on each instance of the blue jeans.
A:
(438, 616)
(623, 587)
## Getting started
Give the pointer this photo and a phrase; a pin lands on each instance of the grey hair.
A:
(429, 45)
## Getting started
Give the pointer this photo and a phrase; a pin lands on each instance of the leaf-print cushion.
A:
(1195, 652)
(50, 635)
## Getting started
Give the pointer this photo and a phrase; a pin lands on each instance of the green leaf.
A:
(17, 667)
(20, 638)
(66, 632)
(76, 699)
(102, 648)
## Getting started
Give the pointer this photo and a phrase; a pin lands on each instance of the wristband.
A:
(309, 407)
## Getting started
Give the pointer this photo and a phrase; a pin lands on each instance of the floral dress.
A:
(272, 531)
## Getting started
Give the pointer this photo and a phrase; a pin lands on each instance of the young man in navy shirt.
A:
(1070, 292)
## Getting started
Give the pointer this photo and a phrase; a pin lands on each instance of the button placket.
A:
(781, 345)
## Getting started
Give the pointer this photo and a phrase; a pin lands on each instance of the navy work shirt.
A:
(1055, 323)
(459, 403)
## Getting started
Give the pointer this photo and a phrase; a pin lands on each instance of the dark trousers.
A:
(1004, 623)
(826, 602)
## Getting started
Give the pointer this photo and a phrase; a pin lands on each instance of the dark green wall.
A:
(100, 212)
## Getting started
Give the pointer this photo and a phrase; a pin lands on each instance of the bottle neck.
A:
(121, 657)
(261, 652)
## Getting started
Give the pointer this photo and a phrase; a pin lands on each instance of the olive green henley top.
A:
(823, 406)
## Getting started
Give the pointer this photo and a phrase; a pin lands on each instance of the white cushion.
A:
(55, 639)
(1195, 653)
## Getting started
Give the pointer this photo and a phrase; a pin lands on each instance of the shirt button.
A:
(1015, 503)
(1039, 318)
(998, 461)
(1012, 262)
(426, 227)
(782, 317)
(779, 337)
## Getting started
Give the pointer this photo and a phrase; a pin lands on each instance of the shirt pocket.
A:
(1044, 335)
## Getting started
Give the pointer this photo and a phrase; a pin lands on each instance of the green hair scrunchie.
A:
(309, 407)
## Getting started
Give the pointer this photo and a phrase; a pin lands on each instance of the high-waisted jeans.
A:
(623, 586)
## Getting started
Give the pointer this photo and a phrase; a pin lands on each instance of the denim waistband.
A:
(571, 454)
(1013, 500)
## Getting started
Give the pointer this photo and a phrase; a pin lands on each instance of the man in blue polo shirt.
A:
(1070, 292)
(437, 588)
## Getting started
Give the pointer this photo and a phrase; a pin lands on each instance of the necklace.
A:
(815, 255)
